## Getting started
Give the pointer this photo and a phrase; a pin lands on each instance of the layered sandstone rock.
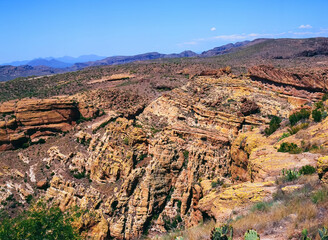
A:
(30, 119)
(34, 119)
(302, 79)
(220, 205)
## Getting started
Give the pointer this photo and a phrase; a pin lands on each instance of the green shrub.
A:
(295, 129)
(251, 235)
(29, 198)
(325, 97)
(224, 232)
(323, 233)
(284, 135)
(216, 183)
(25, 145)
(319, 105)
(41, 141)
(126, 141)
(39, 222)
(273, 126)
(307, 170)
(154, 130)
(261, 206)
(305, 235)
(317, 115)
(290, 175)
(290, 148)
(83, 119)
(78, 175)
(186, 154)
(142, 156)
(320, 195)
(295, 117)
(170, 224)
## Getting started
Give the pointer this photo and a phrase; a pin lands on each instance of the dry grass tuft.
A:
(289, 212)
(201, 231)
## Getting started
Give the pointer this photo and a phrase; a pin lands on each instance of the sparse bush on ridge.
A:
(295, 129)
(273, 126)
(302, 114)
(284, 135)
(293, 174)
(262, 206)
(320, 195)
(217, 183)
(307, 170)
(325, 97)
(290, 148)
(317, 115)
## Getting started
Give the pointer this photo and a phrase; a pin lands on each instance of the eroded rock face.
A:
(196, 152)
(306, 80)
(67, 194)
(218, 105)
(32, 119)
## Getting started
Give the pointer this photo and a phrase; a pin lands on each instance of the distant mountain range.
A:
(128, 59)
(61, 62)
(259, 48)
(224, 49)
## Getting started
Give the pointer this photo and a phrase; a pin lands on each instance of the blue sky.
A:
(35, 28)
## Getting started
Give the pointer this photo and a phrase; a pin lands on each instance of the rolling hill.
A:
(240, 53)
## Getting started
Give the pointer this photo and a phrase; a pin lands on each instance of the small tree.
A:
(273, 126)
(317, 115)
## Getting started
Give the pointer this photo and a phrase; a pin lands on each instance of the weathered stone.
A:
(31, 118)
(42, 184)
(312, 81)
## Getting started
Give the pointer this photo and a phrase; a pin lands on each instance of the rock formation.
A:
(32, 119)
(313, 81)
(197, 152)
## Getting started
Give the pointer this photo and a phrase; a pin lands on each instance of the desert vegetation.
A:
(40, 222)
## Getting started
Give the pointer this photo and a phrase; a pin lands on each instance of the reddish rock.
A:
(26, 119)
(248, 107)
(316, 80)
(42, 184)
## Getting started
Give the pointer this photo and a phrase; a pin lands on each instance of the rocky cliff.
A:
(311, 80)
(198, 152)
(30, 119)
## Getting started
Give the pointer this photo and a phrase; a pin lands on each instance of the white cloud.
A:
(307, 26)
(213, 29)
(252, 36)
(190, 43)
(234, 37)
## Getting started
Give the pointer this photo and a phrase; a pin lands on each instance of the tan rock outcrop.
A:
(31, 118)
(67, 194)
